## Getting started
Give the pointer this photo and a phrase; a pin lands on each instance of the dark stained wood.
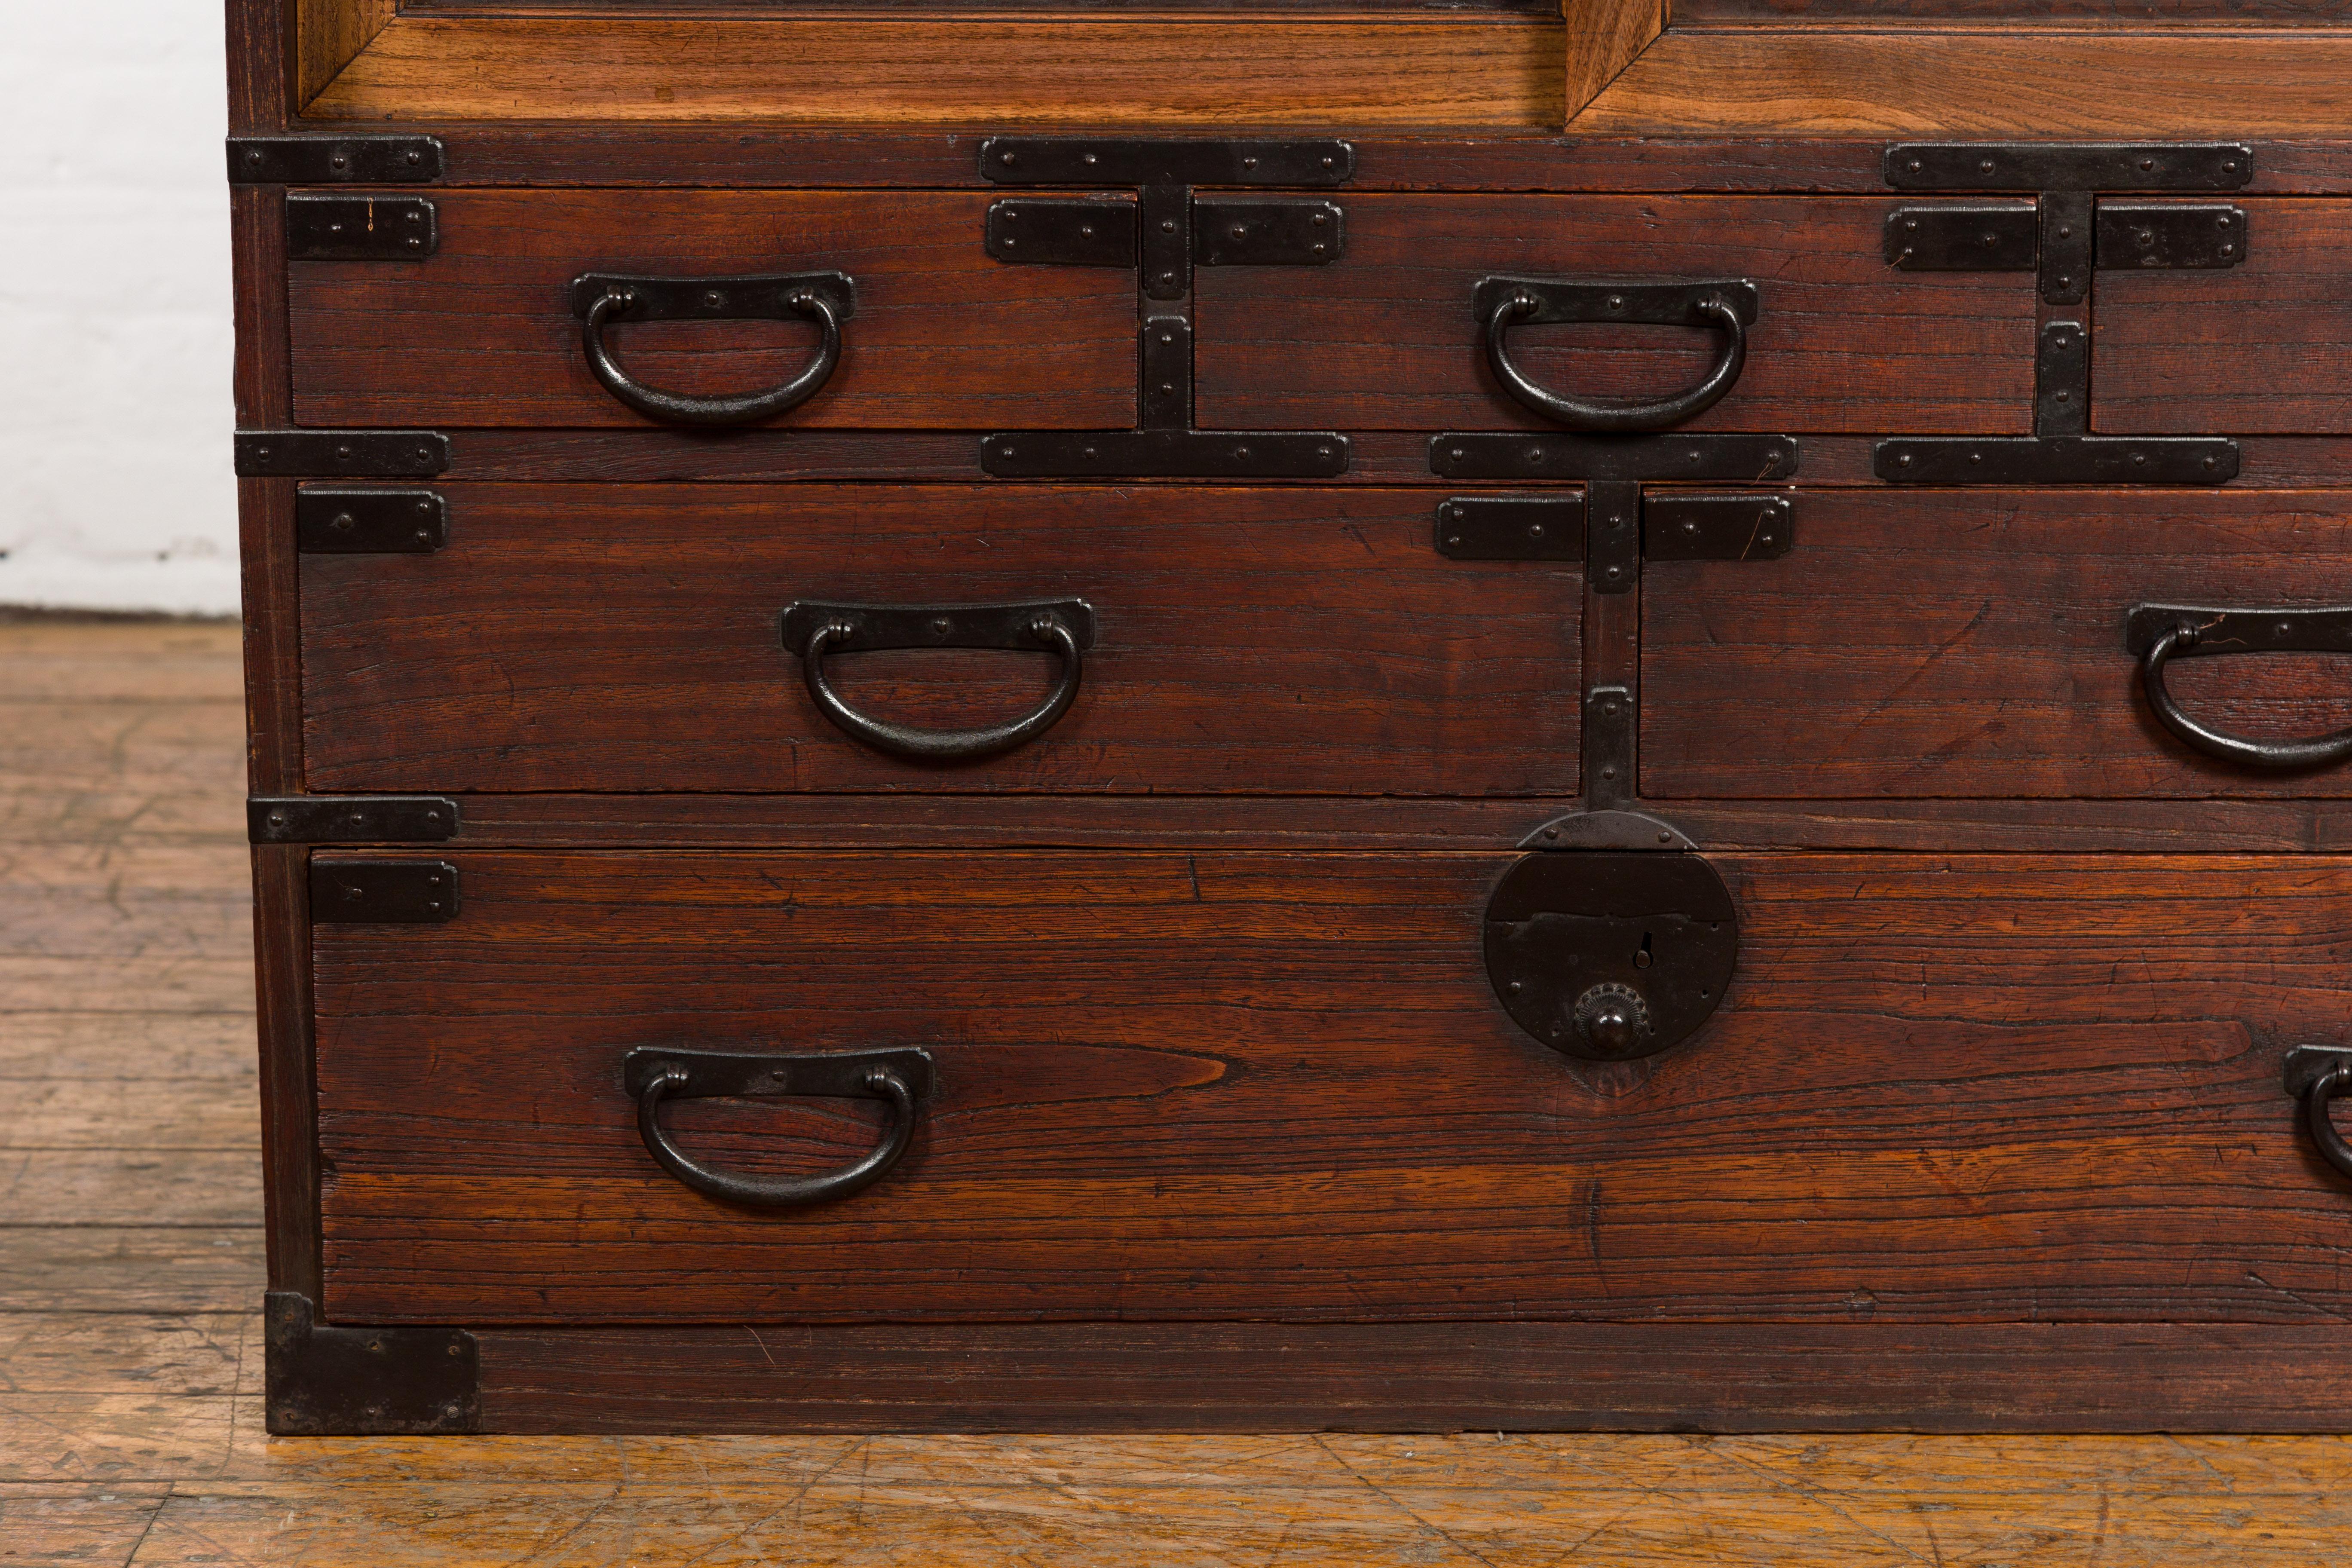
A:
(260, 64)
(289, 1131)
(2250, 350)
(1035, 822)
(1203, 1086)
(1386, 337)
(482, 332)
(1969, 643)
(1248, 641)
(1425, 1377)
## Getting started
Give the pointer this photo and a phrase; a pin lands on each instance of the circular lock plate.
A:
(1610, 955)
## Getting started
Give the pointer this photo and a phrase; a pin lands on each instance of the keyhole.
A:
(1641, 959)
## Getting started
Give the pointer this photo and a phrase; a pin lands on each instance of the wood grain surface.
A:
(1473, 71)
(626, 638)
(130, 1418)
(2246, 351)
(482, 332)
(1189, 1086)
(1386, 337)
(1969, 643)
(1991, 81)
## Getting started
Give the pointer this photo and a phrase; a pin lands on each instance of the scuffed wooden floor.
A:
(130, 1267)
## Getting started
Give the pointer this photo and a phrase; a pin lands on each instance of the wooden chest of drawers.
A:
(1170, 740)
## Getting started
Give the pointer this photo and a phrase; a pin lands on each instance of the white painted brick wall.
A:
(116, 490)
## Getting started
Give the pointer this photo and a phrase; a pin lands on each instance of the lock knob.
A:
(1612, 1018)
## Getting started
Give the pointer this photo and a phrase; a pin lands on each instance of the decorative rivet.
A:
(1092, 159)
(2210, 464)
(1007, 159)
(1551, 833)
(1666, 837)
(1167, 226)
(1516, 986)
(1986, 166)
(941, 625)
(1008, 242)
(1535, 530)
(1609, 773)
(1452, 539)
(2146, 164)
(343, 520)
(1904, 461)
(1914, 165)
(415, 158)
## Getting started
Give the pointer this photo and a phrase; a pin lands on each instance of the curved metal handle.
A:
(1728, 306)
(2164, 633)
(898, 1077)
(1065, 626)
(2316, 1075)
(826, 296)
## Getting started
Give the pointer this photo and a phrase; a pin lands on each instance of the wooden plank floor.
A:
(131, 1267)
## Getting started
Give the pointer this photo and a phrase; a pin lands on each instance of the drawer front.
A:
(1278, 1085)
(1389, 338)
(483, 332)
(1973, 642)
(2252, 350)
(631, 637)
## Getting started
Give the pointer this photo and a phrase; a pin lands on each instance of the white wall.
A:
(116, 489)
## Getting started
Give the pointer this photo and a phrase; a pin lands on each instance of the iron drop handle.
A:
(2159, 634)
(902, 1077)
(1063, 626)
(827, 298)
(1728, 305)
(2316, 1075)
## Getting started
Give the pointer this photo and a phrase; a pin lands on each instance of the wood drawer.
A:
(2252, 349)
(483, 332)
(1387, 337)
(1218, 1085)
(627, 637)
(1972, 643)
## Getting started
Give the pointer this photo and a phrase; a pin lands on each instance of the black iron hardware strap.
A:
(900, 1078)
(1728, 305)
(2065, 235)
(2158, 634)
(1065, 626)
(1165, 232)
(828, 299)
